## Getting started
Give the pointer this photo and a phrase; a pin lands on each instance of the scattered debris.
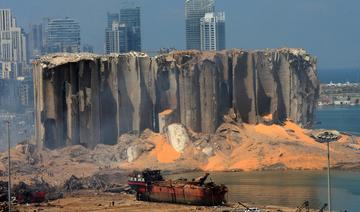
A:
(95, 182)
(4, 206)
(305, 206)
(37, 192)
(3, 191)
(248, 209)
(73, 183)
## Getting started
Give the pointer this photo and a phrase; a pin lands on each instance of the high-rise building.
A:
(45, 23)
(9, 95)
(112, 17)
(116, 38)
(212, 31)
(10, 69)
(63, 35)
(13, 52)
(123, 31)
(25, 87)
(35, 40)
(131, 18)
(194, 11)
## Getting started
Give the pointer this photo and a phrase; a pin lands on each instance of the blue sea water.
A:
(289, 188)
(341, 118)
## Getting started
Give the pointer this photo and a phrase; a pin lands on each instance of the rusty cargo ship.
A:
(151, 186)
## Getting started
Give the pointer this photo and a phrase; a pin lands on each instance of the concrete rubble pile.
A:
(40, 191)
(22, 193)
(90, 99)
(3, 191)
(95, 182)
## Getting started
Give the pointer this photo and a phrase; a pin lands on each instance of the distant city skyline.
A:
(325, 28)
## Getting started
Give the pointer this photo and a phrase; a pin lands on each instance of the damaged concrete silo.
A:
(89, 99)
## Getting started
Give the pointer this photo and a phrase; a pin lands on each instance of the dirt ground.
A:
(91, 201)
(235, 147)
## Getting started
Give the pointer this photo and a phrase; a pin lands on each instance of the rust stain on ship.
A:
(151, 186)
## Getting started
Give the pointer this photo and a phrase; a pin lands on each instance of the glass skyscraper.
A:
(123, 31)
(35, 40)
(63, 35)
(194, 11)
(111, 18)
(131, 18)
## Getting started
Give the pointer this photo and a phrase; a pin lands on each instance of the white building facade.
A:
(116, 38)
(13, 57)
(194, 11)
(212, 32)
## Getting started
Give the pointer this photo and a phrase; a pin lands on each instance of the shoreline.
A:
(90, 200)
(115, 173)
(167, 172)
(98, 200)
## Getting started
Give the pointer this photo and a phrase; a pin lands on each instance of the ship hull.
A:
(151, 186)
(188, 194)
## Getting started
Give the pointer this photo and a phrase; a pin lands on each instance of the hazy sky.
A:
(329, 29)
